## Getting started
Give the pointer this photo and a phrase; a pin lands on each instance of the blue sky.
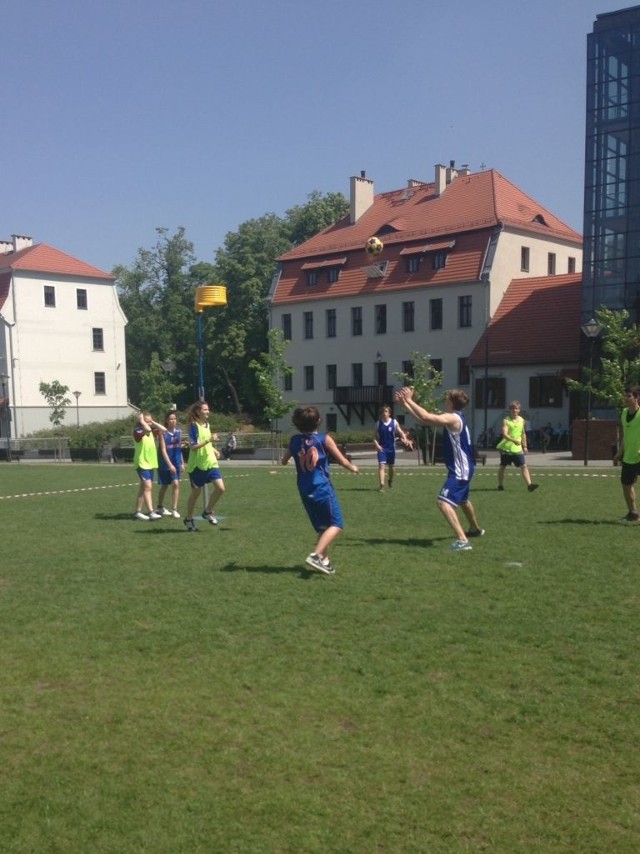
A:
(126, 115)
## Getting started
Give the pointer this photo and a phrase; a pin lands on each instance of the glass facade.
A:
(611, 274)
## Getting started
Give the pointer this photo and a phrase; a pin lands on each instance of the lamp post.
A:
(4, 415)
(591, 330)
(77, 394)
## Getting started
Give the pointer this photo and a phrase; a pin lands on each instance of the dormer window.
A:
(312, 277)
(332, 266)
(333, 274)
(439, 260)
(413, 263)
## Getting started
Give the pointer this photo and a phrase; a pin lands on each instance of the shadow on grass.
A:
(269, 570)
(616, 522)
(413, 542)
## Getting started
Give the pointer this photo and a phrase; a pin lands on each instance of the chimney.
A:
(21, 242)
(452, 172)
(441, 179)
(464, 170)
(6, 246)
(361, 196)
(412, 183)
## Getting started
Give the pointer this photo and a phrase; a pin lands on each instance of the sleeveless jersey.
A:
(458, 451)
(145, 454)
(515, 429)
(386, 435)
(312, 464)
(631, 438)
(203, 458)
(173, 444)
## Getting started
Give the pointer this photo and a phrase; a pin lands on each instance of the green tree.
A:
(619, 363)
(157, 390)
(56, 396)
(270, 369)
(426, 382)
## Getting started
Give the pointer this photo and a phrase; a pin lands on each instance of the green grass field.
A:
(172, 692)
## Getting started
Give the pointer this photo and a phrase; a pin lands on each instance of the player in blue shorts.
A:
(387, 430)
(311, 450)
(202, 465)
(458, 458)
(170, 464)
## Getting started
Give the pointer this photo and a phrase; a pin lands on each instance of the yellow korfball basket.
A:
(209, 296)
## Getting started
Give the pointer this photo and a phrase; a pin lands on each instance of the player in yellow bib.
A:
(513, 446)
(202, 466)
(145, 462)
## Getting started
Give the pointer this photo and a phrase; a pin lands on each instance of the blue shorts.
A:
(516, 460)
(145, 474)
(323, 513)
(455, 491)
(200, 478)
(165, 478)
(387, 458)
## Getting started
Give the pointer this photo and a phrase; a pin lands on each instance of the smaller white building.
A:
(60, 319)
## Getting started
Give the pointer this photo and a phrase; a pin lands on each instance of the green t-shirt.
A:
(631, 437)
(145, 454)
(515, 429)
(202, 458)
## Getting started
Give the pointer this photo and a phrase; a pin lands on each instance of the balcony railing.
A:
(363, 394)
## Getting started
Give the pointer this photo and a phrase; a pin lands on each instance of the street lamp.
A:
(591, 330)
(77, 394)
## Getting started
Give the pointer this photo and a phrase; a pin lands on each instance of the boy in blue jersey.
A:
(458, 458)
(170, 464)
(310, 451)
(387, 429)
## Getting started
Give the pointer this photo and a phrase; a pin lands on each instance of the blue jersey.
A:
(312, 464)
(458, 451)
(173, 444)
(386, 434)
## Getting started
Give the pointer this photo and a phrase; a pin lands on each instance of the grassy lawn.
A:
(172, 692)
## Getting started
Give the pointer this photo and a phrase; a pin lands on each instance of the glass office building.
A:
(611, 269)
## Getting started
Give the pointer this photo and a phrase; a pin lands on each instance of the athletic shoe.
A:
(140, 515)
(478, 533)
(163, 511)
(533, 486)
(208, 516)
(501, 489)
(460, 546)
(153, 515)
(190, 525)
(319, 564)
(631, 517)
(175, 514)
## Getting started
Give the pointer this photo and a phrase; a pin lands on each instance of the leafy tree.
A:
(270, 369)
(56, 396)
(619, 363)
(427, 392)
(157, 391)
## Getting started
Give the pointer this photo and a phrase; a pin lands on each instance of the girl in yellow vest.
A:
(202, 466)
(145, 462)
(513, 446)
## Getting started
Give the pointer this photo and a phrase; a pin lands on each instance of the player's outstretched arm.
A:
(339, 457)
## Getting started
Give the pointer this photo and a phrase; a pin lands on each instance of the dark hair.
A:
(634, 390)
(458, 398)
(195, 410)
(306, 418)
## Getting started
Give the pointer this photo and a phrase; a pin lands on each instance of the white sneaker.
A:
(175, 514)
(153, 516)
(163, 511)
(208, 516)
(140, 515)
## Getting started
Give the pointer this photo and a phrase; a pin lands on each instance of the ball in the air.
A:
(374, 246)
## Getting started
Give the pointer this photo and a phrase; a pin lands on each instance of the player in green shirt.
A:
(629, 451)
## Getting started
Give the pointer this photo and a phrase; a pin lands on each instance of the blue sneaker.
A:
(460, 546)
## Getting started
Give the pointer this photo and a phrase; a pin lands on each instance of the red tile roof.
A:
(537, 321)
(43, 258)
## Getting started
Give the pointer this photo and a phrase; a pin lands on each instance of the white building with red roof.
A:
(451, 250)
(60, 319)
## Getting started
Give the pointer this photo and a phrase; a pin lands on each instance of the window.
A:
(380, 373)
(551, 263)
(439, 260)
(496, 393)
(356, 320)
(98, 339)
(307, 320)
(408, 368)
(524, 259)
(435, 365)
(331, 422)
(49, 296)
(571, 265)
(288, 382)
(286, 327)
(99, 383)
(435, 314)
(331, 322)
(308, 377)
(81, 298)
(413, 264)
(464, 312)
(546, 391)
(381, 319)
(332, 376)
(312, 277)
(356, 374)
(464, 377)
(408, 317)
(333, 274)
